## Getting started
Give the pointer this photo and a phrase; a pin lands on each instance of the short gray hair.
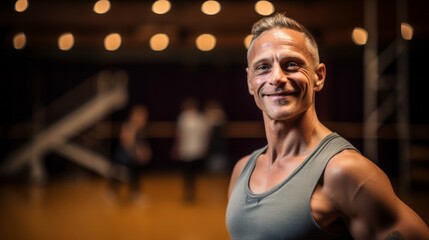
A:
(279, 20)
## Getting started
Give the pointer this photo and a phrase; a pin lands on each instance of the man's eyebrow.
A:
(296, 58)
(286, 57)
(261, 60)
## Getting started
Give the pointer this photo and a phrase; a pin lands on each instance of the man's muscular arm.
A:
(363, 195)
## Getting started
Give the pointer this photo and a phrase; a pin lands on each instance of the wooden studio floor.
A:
(79, 208)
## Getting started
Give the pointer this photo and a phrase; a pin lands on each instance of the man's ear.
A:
(321, 74)
(249, 87)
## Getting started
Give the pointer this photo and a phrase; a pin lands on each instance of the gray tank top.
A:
(282, 212)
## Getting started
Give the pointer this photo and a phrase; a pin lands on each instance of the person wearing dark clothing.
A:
(132, 153)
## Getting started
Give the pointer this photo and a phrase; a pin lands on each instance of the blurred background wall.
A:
(37, 72)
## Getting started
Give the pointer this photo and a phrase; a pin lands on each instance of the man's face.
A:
(282, 75)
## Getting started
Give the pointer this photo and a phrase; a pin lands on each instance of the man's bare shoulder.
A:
(350, 165)
(241, 163)
(238, 168)
(236, 172)
(349, 176)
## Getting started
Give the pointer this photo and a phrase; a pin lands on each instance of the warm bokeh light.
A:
(65, 41)
(247, 40)
(161, 6)
(407, 31)
(21, 5)
(112, 42)
(211, 7)
(359, 36)
(19, 40)
(102, 6)
(205, 42)
(264, 8)
(159, 42)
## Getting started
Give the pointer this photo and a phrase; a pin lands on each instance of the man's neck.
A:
(291, 138)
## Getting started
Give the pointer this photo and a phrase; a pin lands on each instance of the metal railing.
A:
(71, 114)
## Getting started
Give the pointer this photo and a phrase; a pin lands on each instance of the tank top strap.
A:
(327, 149)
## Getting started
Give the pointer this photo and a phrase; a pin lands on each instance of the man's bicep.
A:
(368, 202)
(408, 225)
(374, 208)
(384, 214)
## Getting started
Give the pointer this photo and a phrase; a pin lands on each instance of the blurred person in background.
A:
(190, 147)
(308, 182)
(132, 153)
(216, 151)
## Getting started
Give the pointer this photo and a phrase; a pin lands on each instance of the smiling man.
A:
(308, 182)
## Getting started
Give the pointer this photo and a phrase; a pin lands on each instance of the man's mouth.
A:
(277, 94)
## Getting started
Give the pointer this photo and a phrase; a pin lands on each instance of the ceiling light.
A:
(101, 6)
(161, 6)
(210, 7)
(159, 42)
(264, 8)
(112, 41)
(21, 5)
(205, 42)
(359, 36)
(407, 31)
(65, 41)
(247, 40)
(19, 40)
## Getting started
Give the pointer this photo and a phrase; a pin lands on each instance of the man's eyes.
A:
(287, 66)
(262, 67)
(291, 66)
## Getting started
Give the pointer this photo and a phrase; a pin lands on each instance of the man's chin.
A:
(278, 116)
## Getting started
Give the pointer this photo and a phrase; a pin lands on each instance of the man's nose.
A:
(278, 76)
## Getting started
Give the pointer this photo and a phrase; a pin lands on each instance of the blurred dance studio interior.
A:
(101, 99)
